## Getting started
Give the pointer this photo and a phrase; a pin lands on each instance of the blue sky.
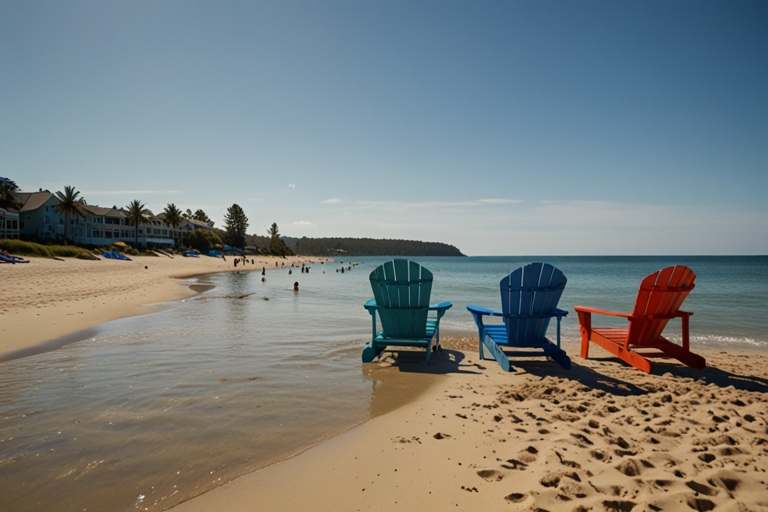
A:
(500, 127)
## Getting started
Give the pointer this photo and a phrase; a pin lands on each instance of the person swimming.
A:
(296, 286)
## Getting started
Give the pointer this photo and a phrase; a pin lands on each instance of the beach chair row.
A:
(529, 298)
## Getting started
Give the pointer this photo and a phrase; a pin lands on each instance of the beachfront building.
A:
(9, 224)
(189, 225)
(38, 217)
(105, 226)
(157, 233)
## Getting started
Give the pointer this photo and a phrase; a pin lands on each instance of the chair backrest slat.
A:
(659, 298)
(402, 290)
(528, 295)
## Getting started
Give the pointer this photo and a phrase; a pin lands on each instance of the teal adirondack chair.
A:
(401, 290)
(529, 298)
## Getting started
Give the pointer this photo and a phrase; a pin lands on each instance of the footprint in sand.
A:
(701, 488)
(514, 464)
(583, 440)
(515, 497)
(551, 480)
(528, 455)
(630, 467)
(569, 463)
(726, 480)
(700, 504)
(618, 505)
(490, 475)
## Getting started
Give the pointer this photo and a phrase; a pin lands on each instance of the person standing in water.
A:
(296, 286)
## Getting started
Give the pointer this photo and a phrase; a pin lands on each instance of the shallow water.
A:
(150, 410)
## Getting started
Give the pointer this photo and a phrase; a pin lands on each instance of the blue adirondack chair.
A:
(401, 290)
(529, 298)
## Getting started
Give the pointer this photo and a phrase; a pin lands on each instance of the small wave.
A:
(715, 339)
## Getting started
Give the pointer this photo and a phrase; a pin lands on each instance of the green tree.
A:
(277, 245)
(204, 240)
(8, 198)
(174, 219)
(202, 217)
(138, 215)
(188, 214)
(69, 204)
(235, 225)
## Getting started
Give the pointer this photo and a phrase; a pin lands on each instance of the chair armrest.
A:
(560, 312)
(582, 309)
(371, 306)
(479, 310)
(683, 313)
(443, 306)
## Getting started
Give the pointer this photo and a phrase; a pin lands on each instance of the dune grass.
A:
(35, 250)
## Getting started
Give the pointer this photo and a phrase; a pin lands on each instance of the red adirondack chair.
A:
(658, 301)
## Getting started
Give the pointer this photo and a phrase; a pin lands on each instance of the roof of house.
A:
(33, 200)
(104, 212)
(199, 223)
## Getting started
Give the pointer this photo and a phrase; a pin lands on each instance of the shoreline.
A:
(45, 302)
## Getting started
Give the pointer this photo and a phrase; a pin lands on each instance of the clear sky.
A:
(514, 127)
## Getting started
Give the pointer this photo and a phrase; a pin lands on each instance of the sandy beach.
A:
(602, 436)
(46, 299)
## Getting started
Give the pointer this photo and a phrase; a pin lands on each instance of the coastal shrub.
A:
(22, 248)
(203, 240)
(36, 250)
(66, 251)
(85, 255)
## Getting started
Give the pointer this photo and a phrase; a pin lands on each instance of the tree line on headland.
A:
(361, 247)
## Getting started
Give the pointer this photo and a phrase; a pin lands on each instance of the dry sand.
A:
(45, 300)
(602, 436)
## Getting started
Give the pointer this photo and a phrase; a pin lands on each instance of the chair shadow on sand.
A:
(444, 362)
(616, 386)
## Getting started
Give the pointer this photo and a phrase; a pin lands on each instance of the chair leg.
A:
(369, 352)
(585, 326)
(686, 357)
(497, 353)
(628, 356)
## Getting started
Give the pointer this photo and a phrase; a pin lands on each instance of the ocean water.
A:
(150, 410)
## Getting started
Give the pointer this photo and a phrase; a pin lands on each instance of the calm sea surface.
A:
(153, 409)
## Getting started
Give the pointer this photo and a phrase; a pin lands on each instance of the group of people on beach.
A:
(243, 260)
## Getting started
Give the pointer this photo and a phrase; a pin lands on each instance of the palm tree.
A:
(7, 197)
(173, 217)
(137, 214)
(70, 204)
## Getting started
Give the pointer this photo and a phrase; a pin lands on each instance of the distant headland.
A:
(362, 247)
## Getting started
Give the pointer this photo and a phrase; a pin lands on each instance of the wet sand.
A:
(602, 436)
(45, 300)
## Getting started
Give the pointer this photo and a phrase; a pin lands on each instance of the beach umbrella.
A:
(120, 244)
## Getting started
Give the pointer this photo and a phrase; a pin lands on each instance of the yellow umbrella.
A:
(120, 244)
